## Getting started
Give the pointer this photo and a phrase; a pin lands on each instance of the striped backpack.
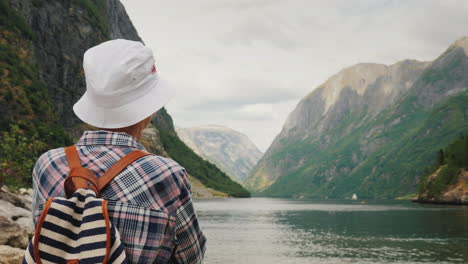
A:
(76, 229)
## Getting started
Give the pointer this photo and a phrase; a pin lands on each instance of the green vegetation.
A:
(382, 156)
(444, 72)
(389, 172)
(10, 19)
(28, 124)
(199, 168)
(95, 14)
(18, 155)
(445, 169)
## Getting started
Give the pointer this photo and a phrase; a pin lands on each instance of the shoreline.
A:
(440, 202)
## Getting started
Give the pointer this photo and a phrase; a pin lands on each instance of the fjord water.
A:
(264, 230)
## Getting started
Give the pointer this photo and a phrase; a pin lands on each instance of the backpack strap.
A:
(78, 176)
(118, 167)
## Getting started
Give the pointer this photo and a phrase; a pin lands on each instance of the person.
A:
(150, 201)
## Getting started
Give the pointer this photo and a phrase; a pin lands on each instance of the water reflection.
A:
(286, 231)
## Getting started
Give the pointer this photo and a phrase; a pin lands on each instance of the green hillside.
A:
(208, 174)
(201, 169)
(28, 124)
(443, 175)
(406, 135)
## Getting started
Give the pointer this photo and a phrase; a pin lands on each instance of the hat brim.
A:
(124, 115)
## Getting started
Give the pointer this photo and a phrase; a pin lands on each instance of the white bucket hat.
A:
(123, 85)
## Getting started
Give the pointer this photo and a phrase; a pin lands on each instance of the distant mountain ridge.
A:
(231, 151)
(368, 130)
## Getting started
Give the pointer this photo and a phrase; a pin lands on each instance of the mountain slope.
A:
(368, 130)
(207, 173)
(41, 51)
(446, 181)
(229, 150)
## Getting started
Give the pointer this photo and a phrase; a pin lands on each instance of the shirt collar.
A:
(103, 137)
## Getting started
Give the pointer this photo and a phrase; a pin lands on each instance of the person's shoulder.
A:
(163, 166)
(162, 162)
(168, 179)
(50, 156)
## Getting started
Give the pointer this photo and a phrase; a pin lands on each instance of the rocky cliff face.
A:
(454, 193)
(374, 86)
(354, 132)
(229, 150)
(366, 89)
(63, 31)
(42, 45)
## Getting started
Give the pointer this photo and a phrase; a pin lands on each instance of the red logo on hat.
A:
(153, 69)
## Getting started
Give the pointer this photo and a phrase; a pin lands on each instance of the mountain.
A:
(41, 52)
(447, 179)
(370, 130)
(231, 151)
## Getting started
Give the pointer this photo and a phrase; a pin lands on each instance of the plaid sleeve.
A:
(38, 198)
(190, 241)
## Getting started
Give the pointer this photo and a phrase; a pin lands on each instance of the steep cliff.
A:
(231, 151)
(42, 46)
(368, 130)
(63, 31)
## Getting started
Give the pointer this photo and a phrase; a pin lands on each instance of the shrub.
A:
(18, 154)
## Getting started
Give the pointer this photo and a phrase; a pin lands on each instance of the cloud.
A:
(245, 64)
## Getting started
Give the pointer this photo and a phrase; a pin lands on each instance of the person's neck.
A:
(136, 133)
(135, 130)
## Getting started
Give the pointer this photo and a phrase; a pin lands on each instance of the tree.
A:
(465, 152)
(440, 158)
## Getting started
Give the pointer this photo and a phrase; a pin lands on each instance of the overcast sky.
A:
(245, 64)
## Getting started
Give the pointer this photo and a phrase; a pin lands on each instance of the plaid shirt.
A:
(150, 201)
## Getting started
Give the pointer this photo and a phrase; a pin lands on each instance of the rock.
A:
(8, 196)
(152, 142)
(27, 200)
(12, 234)
(26, 223)
(10, 255)
(452, 194)
(200, 191)
(7, 209)
(58, 52)
(21, 199)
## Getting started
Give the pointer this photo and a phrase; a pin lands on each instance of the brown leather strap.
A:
(78, 176)
(119, 167)
(81, 175)
(72, 157)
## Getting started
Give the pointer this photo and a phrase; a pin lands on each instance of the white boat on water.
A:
(354, 197)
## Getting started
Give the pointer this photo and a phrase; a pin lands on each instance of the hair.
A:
(134, 130)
